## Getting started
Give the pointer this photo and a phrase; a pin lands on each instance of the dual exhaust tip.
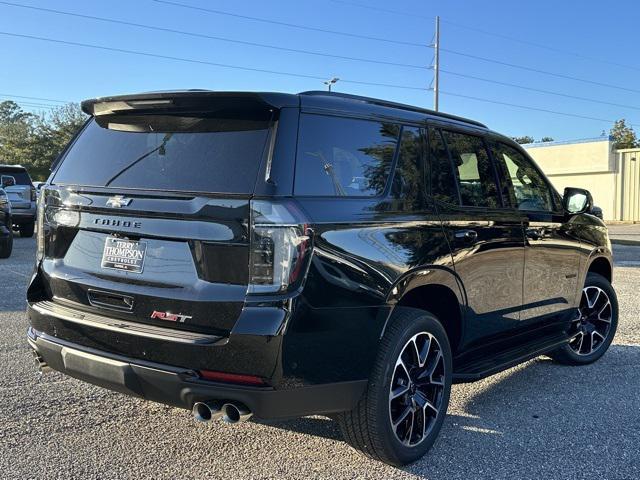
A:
(230, 412)
(41, 365)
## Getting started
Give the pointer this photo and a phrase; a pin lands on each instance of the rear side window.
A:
(407, 179)
(440, 172)
(21, 176)
(168, 152)
(476, 177)
(344, 156)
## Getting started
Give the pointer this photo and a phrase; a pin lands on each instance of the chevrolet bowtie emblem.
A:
(118, 201)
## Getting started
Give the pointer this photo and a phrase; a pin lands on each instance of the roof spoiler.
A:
(186, 101)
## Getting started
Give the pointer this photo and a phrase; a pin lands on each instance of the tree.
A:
(525, 139)
(546, 139)
(36, 141)
(623, 136)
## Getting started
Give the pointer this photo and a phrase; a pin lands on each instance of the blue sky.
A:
(596, 30)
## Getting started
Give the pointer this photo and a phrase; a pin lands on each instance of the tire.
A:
(6, 246)
(27, 229)
(602, 317)
(368, 427)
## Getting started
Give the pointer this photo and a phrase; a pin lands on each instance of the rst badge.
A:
(122, 254)
(170, 317)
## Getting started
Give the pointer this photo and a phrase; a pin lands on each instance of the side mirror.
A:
(576, 200)
(8, 181)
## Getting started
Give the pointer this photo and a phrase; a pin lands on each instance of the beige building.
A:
(612, 176)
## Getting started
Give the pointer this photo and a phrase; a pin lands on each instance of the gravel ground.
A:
(538, 420)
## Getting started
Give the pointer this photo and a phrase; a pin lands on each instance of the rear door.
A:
(485, 236)
(552, 248)
(147, 218)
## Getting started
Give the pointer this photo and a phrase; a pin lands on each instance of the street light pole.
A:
(436, 66)
(331, 82)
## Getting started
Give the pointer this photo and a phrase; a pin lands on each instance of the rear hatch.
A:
(147, 216)
(17, 184)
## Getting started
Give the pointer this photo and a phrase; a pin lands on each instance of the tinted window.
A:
(167, 153)
(407, 179)
(526, 187)
(21, 176)
(343, 157)
(440, 172)
(476, 178)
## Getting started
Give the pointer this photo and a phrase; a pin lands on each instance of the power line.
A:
(33, 98)
(203, 62)
(291, 74)
(212, 37)
(527, 107)
(381, 9)
(544, 72)
(540, 45)
(291, 25)
(549, 92)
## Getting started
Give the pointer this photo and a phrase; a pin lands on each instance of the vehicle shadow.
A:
(537, 420)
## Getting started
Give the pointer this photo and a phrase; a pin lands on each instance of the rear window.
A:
(21, 176)
(167, 152)
(344, 156)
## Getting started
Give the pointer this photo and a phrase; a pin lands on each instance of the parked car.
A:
(38, 187)
(279, 255)
(6, 230)
(22, 195)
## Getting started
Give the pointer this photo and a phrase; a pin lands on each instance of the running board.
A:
(475, 369)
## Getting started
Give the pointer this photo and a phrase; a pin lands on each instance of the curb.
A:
(624, 241)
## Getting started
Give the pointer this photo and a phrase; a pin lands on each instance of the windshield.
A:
(167, 152)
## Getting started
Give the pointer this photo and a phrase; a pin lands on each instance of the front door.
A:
(552, 251)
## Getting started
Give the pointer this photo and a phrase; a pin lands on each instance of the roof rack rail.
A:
(386, 103)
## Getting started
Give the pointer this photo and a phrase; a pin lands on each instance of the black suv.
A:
(282, 255)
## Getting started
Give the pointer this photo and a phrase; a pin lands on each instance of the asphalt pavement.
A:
(539, 420)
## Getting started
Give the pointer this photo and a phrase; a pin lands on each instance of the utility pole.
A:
(436, 66)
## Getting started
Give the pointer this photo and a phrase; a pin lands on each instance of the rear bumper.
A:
(181, 387)
(24, 215)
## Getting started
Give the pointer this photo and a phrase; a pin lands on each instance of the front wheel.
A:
(594, 326)
(401, 413)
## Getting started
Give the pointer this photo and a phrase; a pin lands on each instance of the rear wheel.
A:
(594, 326)
(6, 246)
(26, 229)
(401, 413)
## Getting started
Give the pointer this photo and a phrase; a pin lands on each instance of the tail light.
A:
(50, 217)
(40, 226)
(280, 247)
(34, 194)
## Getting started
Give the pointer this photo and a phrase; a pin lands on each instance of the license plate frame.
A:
(124, 255)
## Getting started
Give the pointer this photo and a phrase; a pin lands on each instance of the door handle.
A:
(466, 235)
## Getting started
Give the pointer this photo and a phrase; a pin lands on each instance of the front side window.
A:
(526, 187)
(344, 156)
(476, 178)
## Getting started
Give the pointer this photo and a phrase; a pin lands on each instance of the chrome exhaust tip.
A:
(234, 413)
(206, 411)
(41, 365)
